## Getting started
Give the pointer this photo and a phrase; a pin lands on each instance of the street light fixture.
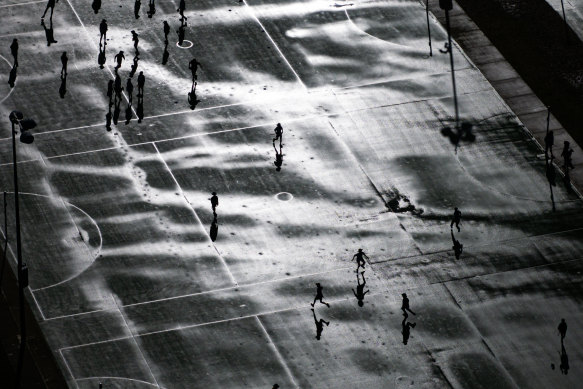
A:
(25, 125)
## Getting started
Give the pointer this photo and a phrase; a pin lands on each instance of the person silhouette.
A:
(181, 32)
(64, 61)
(166, 31)
(141, 83)
(319, 295)
(359, 256)
(566, 154)
(103, 30)
(549, 142)
(12, 76)
(14, 51)
(136, 40)
(457, 217)
(319, 325)
(278, 134)
(214, 202)
(562, 328)
(63, 87)
(359, 294)
(564, 366)
(49, 32)
(137, 6)
(551, 174)
(129, 113)
(96, 5)
(181, 9)
(152, 9)
(134, 66)
(406, 329)
(130, 89)
(405, 304)
(457, 247)
(110, 91)
(101, 56)
(278, 158)
(193, 66)
(51, 5)
(117, 88)
(119, 57)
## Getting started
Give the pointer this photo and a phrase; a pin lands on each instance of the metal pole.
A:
(428, 29)
(450, 46)
(19, 259)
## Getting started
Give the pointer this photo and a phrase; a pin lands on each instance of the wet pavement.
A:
(132, 290)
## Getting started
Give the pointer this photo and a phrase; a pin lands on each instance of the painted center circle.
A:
(186, 44)
(284, 196)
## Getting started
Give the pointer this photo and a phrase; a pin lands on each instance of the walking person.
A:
(278, 134)
(405, 304)
(14, 51)
(319, 295)
(137, 6)
(566, 154)
(51, 5)
(180, 10)
(136, 40)
(152, 9)
(166, 31)
(549, 142)
(64, 61)
(103, 31)
(562, 329)
(214, 202)
(193, 66)
(141, 82)
(359, 256)
(119, 57)
(457, 218)
(181, 32)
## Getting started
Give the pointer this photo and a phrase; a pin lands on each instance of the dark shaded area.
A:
(473, 370)
(531, 36)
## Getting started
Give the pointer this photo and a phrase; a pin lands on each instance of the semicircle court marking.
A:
(98, 250)
(11, 89)
(185, 47)
(121, 379)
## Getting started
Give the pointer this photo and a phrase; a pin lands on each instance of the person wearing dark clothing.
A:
(136, 40)
(96, 5)
(181, 9)
(64, 61)
(102, 30)
(405, 304)
(134, 66)
(51, 5)
(562, 329)
(566, 154)
(549, 142)
(278, 133)
(130, 89)
(193, 66)
(137, 6)
(181, 32)
(319, 295)
(166, 31)
(141, 82)
(319, 325)
(152, 9)
(214, 201)
(359, 256)
(119, 57)
(359, 294)
(457, 217)
(14, 51)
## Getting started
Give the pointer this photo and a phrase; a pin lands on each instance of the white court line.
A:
(136, 342)
(17, 4)
(199, 293)
(274, 44)
(68, 368)
(233, 280)
(277, 353)
(118, 378)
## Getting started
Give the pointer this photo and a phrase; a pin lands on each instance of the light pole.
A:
(447, 6)
(17, 118)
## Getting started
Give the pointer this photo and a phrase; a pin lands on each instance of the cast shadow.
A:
(457, 246)
(359, 293)
(319, 325)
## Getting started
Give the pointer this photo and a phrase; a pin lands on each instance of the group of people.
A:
(566, 153)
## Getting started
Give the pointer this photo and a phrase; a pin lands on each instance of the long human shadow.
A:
(319, 325)
(49, 32)
(63, 86)
(457, 246)
(12, 76)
